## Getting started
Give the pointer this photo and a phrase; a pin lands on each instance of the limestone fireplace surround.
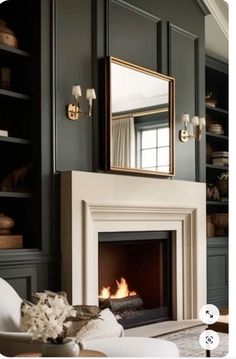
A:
(96, 202)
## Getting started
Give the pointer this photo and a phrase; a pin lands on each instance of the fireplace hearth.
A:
(141, 261)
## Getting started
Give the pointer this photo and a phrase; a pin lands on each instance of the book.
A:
(11, 241)
(4, 133)
(220, 154)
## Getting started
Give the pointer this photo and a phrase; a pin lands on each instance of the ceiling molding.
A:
(203, 7)
(218, 16)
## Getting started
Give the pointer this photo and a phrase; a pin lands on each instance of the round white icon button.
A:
(209, 314)
(209, 340)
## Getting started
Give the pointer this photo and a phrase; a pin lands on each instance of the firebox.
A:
(135, 276)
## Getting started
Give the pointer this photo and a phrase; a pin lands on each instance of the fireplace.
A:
(94, 203)
(135, 272)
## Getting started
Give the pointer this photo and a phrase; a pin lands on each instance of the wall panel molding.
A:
(22, 278)
(217, 291)
(135, 9)
(173, 28)
(184, 65)
(152, 30)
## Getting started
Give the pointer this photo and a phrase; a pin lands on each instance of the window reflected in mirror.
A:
(141, 119)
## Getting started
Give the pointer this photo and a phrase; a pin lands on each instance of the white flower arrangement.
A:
(45, 320)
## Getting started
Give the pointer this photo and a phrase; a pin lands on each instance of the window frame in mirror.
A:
(108, 119)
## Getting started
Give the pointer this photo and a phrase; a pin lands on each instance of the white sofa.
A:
(14, 342)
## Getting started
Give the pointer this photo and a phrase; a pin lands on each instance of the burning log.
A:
(121, 304)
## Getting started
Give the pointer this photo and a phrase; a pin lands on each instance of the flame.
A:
(121, 292)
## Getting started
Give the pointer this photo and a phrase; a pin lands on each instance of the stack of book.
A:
(216, 128)
(220, 158)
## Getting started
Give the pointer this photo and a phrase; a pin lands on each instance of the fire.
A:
(121, 292)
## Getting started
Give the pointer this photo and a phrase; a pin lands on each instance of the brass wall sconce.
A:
(73, 110)
(197, 123)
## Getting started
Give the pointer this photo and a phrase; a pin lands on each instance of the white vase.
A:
(68, 349)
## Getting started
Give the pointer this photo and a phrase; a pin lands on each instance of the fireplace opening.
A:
(135, 276)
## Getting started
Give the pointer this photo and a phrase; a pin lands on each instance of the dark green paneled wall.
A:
(73, 64)
(164, 35)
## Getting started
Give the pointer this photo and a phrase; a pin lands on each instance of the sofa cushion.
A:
(104, 327)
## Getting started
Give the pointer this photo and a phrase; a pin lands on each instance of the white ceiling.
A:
(216, 24)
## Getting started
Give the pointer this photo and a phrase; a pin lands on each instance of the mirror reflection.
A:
(141, 123)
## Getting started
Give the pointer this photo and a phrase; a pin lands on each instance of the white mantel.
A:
(95, 202)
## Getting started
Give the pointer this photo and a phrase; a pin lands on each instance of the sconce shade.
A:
(196, 123)
(195, 120)
(90, 94)
(73, 110)
(76, 91)
(185, 118)
(202, 122)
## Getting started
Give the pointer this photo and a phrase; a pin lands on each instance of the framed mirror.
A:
(139, 119)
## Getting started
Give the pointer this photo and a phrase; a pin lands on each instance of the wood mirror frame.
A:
(142, 101)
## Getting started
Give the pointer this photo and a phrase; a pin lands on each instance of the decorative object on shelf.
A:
(73, 110)
(223, 183)
(11, 241)
(216, 128)
(5, 78)
(212, 192)
(210, 227)
(16, 180)
(220, 158)
(220, 220)
(45, 321)
(6, 224)
(7, 240)
(7, 36)
(197, 124)
(210, 99)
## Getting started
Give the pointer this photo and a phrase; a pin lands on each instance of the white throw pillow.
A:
(103, 327)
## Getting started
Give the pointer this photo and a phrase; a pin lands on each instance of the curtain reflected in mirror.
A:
(123, 142)
(141, 119)
(142, 142)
